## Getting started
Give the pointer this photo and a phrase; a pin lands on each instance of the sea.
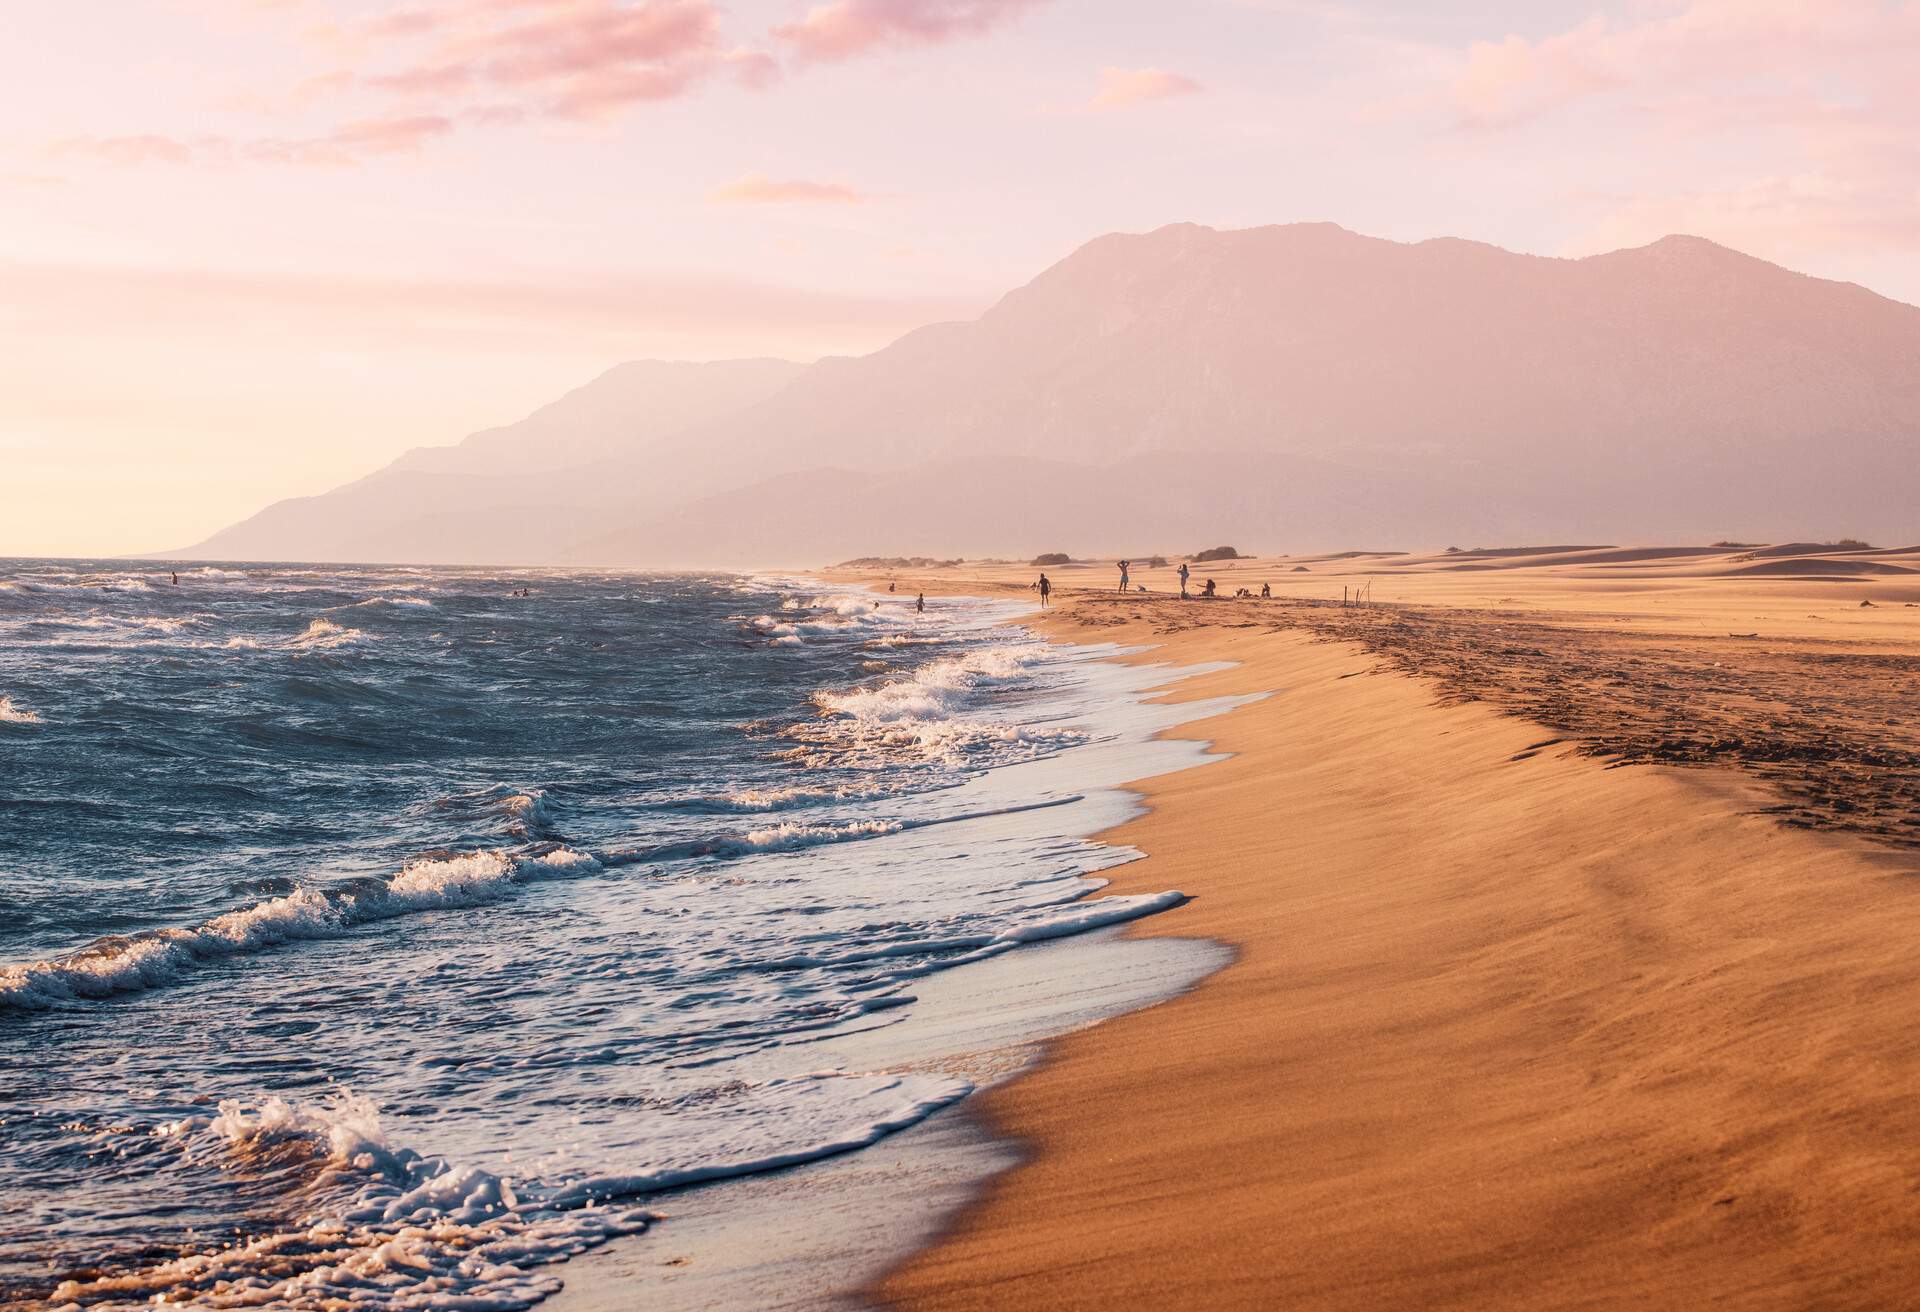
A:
(387, 937)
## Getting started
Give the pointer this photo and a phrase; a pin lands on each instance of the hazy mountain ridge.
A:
(1300, 386)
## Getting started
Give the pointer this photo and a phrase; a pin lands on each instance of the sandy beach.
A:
(1572, 902)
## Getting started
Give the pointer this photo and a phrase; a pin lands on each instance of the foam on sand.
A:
(389, 1228)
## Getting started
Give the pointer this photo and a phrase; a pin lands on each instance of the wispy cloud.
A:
(759, 189)
(840, 29)
(569, 58)
(1795, 117)
(346, 144)
(1751, 51)
(1123, 87)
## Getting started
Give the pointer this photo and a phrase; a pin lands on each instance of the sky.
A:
(252, 249)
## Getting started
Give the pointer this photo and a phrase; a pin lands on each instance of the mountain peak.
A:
(1297, 383)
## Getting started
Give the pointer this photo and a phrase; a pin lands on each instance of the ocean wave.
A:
(839, 616)
(406, 600)
(319, 635)
(526, 811)
(13, 714)
(126, 964)
(931, 715)
(386, 1227)
(324, 635)
(751, 801)
(792, 835)
(1076, 914)
(786, 837)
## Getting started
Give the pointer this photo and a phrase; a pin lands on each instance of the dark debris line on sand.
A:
(1835, 733)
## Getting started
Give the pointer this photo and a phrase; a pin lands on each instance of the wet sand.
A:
(1576, 951)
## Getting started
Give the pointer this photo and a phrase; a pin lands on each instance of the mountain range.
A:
(1297, 387)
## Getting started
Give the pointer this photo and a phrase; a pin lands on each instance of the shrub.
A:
(1053, 558)
(1216, 553)
(1849, 544)
(1156, 562)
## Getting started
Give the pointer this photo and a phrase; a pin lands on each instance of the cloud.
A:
(346, 144)
(580, 313)
(759, 189)
(141, 148)
(569, 58)
(1121, 87)
(416, 70)
(1783, 127)
(840, 29)
(1747, 49)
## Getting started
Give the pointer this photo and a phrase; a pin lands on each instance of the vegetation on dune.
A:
(1215, 553)
(1053, 558)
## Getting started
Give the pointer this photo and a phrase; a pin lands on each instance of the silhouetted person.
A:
(1046, 590)
(1266, 591)
(1123, 574)
(1207, 591)
(176, 577)
(1183, 578)
(920, 603)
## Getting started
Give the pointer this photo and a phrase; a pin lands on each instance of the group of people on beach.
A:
(1208, 590)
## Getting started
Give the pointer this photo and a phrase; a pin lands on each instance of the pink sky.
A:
(254, 248)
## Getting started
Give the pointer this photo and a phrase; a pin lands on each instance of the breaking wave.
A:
(125, 964)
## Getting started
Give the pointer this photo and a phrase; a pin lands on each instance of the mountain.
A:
(520, 493)
(1295, 387)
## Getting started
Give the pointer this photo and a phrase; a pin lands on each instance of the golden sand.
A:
(1507, 1027)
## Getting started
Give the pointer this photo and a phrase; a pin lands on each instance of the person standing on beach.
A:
(1123, 574)
(1046, 588)
(1183, 579)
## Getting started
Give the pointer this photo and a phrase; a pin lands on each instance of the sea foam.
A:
(389, 1228)
(124, 964)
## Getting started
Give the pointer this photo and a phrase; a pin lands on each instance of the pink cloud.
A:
(759, 189)
(840, 29)
(1746, 49)
(346, 144)
(1121, 87)
(1784, 127)
(571, 58)
(143, 148)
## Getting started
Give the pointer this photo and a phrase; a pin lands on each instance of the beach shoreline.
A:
(1506, 1026)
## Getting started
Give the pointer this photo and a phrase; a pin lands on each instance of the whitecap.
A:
(12, 714)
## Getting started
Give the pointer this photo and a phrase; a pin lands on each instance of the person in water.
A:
(176, 577)
(1046, 590)
(1123, 574)
(920, 603)
(1183, 578)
